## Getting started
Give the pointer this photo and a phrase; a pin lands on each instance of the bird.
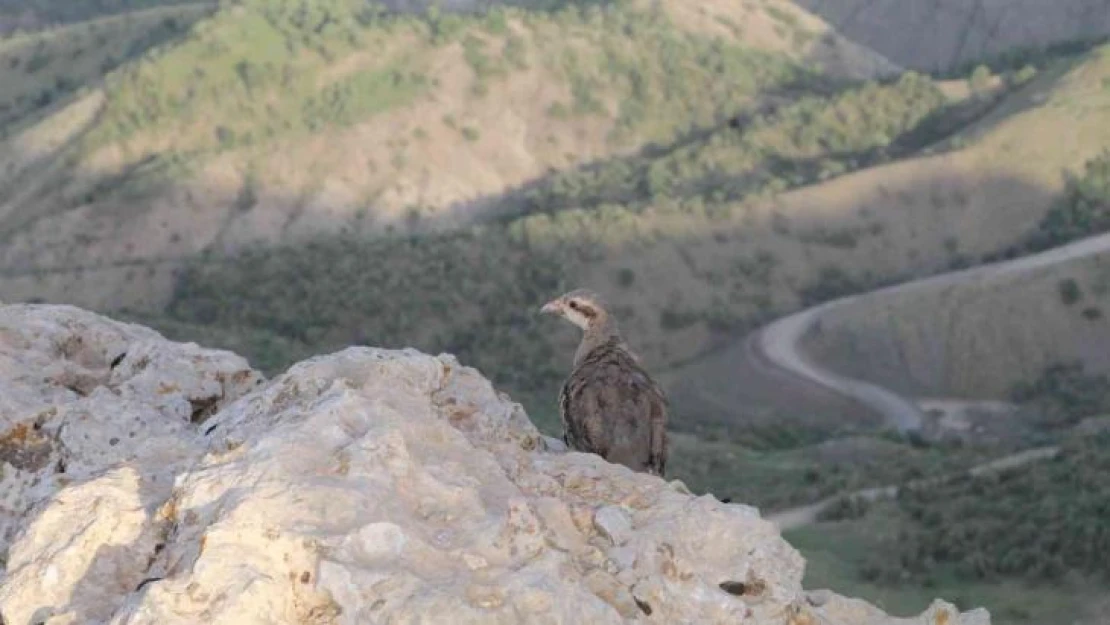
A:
(609, 404)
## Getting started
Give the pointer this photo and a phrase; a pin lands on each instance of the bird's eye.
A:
(574, 304)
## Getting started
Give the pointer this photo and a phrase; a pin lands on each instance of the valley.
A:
(855, 257)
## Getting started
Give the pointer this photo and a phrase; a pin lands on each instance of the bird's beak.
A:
(554, 307)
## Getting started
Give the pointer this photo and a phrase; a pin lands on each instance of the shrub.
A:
(1064, 394)
(1084, 210)
(845, 509)
(1070, 292)
(980, 79)
(625, 277)
(1036, 522)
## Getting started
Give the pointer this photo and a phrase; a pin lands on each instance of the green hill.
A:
(286, 177)
(294, 177)
(41, 69)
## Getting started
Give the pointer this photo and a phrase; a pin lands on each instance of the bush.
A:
(845, 509)
(1065, 394)
(472, 294)
(625, 277)
(980, 80)
(1083, 211)
(831, 283)
(1070, 292)
(1037, 522)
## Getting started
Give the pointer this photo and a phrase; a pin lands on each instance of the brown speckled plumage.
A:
(609, 405)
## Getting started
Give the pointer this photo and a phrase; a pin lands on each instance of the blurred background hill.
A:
(288, 177)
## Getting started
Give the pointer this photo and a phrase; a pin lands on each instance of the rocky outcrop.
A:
(146, 481)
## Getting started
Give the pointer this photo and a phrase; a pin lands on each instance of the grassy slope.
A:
(987, 193)
(726, 263)
(834, 552)
(41, 68)
(474, 293)
(1053, 314)
(1026, 544)
(51, 12)
(268, 124)
(798, 474)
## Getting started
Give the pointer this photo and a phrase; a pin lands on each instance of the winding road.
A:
(778, 344)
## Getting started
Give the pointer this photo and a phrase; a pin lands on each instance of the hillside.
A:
(1035, 529)
(266, 125)
(951, 340)
(706, 218)
(981, 194)
(41, 70)
(932, 35)
(286, 178)
(264, 181)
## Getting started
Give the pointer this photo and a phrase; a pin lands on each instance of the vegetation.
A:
(392, 292)
(333, 290)
(837, 554)
(685, 95)
(1065, 394)
(1083, 211)
(777, 479)
(762, 150)
(51, 12)
(1070, 292)
(1033, 524)
(40, 69)
(1026, 543)
(266, 70)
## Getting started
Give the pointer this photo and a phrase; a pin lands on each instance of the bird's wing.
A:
(580, 406)
(609, 402)
(656, 408)
(657, 458)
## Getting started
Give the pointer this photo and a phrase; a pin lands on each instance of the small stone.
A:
(554, 445)
(613, 523)
(623, 557)
(474, 562)
(482, 596)
(818, 598)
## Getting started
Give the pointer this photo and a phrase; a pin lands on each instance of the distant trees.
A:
(1084, 210)
(1065, 393)
(980, 80)
(1038, 522)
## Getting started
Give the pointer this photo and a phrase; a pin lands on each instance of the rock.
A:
(842, 610)
(554, 444)
(365, 486)
(614, 524)
(81, 394)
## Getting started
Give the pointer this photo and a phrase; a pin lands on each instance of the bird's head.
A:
(581, 307)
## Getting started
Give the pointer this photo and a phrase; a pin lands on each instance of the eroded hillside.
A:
(945, 34)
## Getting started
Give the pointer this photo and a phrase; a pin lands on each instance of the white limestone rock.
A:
(80, 394)
(366, 486)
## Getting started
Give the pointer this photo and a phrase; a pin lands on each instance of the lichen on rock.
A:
(365, 486)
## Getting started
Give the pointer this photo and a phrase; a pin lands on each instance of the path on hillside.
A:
(779, 343)
(800, 516)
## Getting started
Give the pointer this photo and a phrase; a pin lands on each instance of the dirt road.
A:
(779, 343)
